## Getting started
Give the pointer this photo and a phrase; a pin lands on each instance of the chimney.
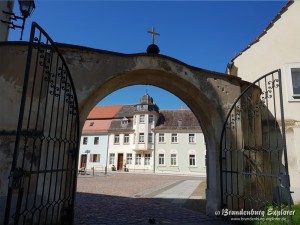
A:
(182, 107)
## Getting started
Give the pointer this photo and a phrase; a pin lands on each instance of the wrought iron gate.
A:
(254, 167)
(42, 180)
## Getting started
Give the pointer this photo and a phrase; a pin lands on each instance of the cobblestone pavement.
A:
(123, 198)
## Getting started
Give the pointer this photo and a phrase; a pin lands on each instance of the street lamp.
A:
(26, 8)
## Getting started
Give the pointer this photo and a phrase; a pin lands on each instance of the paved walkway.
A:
(181, 192)
(120, 199)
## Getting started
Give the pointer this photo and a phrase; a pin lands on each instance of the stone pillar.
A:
(8, 7)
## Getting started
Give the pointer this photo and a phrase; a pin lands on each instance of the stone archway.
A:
(98, 73)
(208, 94)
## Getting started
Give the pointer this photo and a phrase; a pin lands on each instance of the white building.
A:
(94, 138)
(278, 47)
(179, 145)
(132, 137)
(141, 138)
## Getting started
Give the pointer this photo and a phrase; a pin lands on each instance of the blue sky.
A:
(205, 34)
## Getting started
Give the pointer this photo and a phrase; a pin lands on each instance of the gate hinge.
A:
(284, 180)
(16, 178)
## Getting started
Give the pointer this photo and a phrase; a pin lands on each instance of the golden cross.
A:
(153, 34)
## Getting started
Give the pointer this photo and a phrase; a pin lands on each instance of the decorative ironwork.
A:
(42, 180)
(253, 157)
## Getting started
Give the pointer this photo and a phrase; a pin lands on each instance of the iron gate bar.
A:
(287, 185)
(19, 128)
(230, 193)
(64, 123)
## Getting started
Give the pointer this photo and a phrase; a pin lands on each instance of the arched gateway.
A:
(96, 74)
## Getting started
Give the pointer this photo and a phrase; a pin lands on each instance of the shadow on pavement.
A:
(107, 209)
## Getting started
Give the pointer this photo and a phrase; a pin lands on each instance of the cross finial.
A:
(153, 34)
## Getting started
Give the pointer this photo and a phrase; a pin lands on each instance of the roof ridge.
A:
(108, 105)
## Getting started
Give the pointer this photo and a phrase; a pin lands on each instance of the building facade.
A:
(142, 138)
(94, 139)
(179, 143)
(278, 47)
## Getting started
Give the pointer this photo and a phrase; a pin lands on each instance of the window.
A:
(85, 140)
(126, 139)
(173, 159)
(192, 138)
(147, 159)
(161, 138)
(192, 160)
(96, 140)
(292, 72)
(151, 118)
(94, 157)
(141, 138)
(129, 158)
(174, 138)
(150, 138)
(91, 124)
(295, 74)
(161, 159)
(117, 139)
(112, 158)
(142, 118)
(138, 158)
(124, 121)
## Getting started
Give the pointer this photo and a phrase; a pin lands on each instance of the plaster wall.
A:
(121, 148)
(182, 148)
(100, 148)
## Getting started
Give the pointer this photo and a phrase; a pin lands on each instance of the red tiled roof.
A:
(271, 24)
(104, 112)
(96, 126)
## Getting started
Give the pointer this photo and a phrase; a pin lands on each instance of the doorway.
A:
(83, 161)
(120, 161)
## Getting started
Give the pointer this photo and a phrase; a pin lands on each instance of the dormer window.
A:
(124, 121)
(91, 124)
(179, 122)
